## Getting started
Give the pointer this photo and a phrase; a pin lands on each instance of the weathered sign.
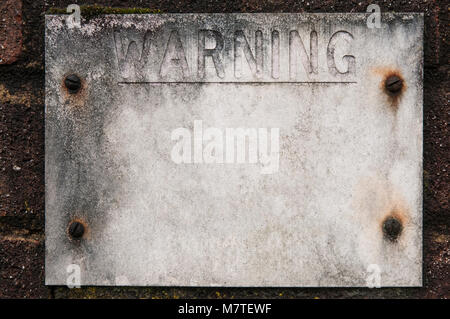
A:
(234, 150)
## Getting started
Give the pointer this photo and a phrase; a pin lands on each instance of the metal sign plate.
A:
(234, 150)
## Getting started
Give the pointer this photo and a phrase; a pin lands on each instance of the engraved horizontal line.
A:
(237, 82)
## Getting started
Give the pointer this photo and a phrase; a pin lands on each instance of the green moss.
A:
(91, 11)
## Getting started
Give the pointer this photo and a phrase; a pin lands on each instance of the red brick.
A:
(22, 268)
(10, 30)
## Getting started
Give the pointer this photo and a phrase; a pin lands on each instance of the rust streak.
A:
(393, 98)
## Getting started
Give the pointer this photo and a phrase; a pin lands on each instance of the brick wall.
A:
(22, 150)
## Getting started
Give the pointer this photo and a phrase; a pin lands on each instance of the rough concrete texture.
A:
(348, 154)
(22, 144)
(10, 31)
(22, 270)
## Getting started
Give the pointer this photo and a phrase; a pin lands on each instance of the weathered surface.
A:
(22, 132)
(10, 30)
(350, 152)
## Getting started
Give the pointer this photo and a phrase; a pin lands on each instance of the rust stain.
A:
(377, 200)
(393, 99)
(74, 100)
(87, 233)
(392, 225)
(398, 211)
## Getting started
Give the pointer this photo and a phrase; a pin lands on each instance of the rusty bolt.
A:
(392, 228)
(76, 230)
(393, 84)
(72, 83)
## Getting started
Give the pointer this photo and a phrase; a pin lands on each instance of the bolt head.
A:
(72, 83)
(392, 228)
(394, 84)
(76, 230)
